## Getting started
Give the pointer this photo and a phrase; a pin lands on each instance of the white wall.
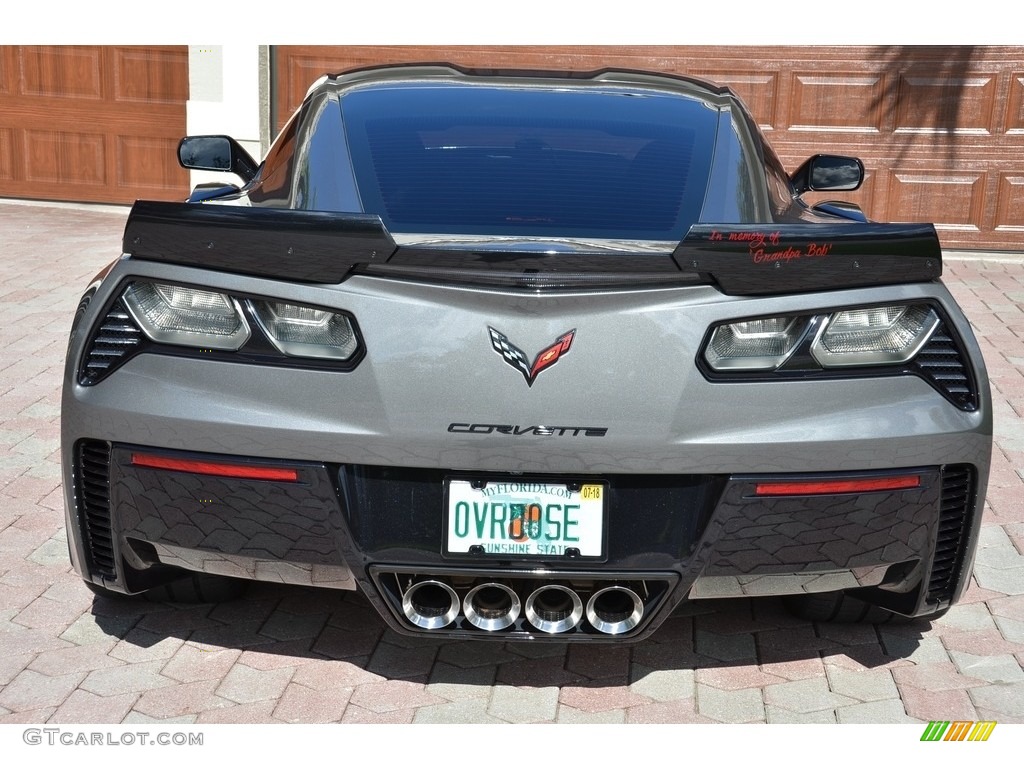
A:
(225, 98)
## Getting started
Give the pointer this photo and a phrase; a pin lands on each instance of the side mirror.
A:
(831, 173)
(216, 153)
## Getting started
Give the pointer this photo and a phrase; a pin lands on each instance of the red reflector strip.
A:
(243, 471)
(819, 487)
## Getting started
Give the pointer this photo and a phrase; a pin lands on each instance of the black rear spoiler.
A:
(325, 247)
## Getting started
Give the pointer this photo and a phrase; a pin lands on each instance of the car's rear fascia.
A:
(631, 375)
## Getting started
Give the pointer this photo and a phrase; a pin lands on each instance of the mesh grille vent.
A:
(92, 495)
(117, 339)
(954, 516)
(941, 363)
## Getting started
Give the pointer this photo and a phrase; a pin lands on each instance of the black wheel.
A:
(841, 608)
(198, 588)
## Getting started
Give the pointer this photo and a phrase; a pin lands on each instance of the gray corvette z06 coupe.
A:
(525, 355)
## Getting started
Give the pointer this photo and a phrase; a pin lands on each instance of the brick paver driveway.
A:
(295, 655)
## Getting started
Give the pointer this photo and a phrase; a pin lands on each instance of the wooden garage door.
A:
(940, 129)
(92, 123)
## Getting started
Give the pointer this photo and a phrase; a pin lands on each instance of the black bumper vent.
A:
(116, 339)
(942, 363)
(954, 521)
(92, 496)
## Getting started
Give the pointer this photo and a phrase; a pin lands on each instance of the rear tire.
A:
(198, 588)
(841, 608)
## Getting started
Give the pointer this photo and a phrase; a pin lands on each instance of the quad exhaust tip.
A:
(554, 608)
(491, 606)
(430, 604)
(614, 610)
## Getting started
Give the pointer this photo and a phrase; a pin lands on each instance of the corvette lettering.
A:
(515, 429)
(515, 357)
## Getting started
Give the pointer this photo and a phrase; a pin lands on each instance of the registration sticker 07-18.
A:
(525, 518)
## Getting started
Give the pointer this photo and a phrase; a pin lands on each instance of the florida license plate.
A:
(525, 519)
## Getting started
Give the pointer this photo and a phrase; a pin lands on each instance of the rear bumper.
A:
(670, 538)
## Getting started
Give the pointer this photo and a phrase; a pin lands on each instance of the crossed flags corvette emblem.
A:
(515, 357)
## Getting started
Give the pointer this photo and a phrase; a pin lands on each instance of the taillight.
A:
(174, 314)
(301, 331)
(754, 345)
(875, 336)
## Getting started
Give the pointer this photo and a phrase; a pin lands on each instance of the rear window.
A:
(526, 162)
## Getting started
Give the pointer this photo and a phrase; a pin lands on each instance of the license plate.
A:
(525, 519)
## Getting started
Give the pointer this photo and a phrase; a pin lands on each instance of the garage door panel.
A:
(844, 102)
(8, 70)
(1015, 105)
(952, 201)
(65, 157)
(71, 73)
(1010, 204)
(140, 162)
(6, 154)
(150, 76)
(947, 105)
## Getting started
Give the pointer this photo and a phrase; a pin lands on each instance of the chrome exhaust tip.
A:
(614, 610)
(430, 604)
(554, 608)
(491, 606)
